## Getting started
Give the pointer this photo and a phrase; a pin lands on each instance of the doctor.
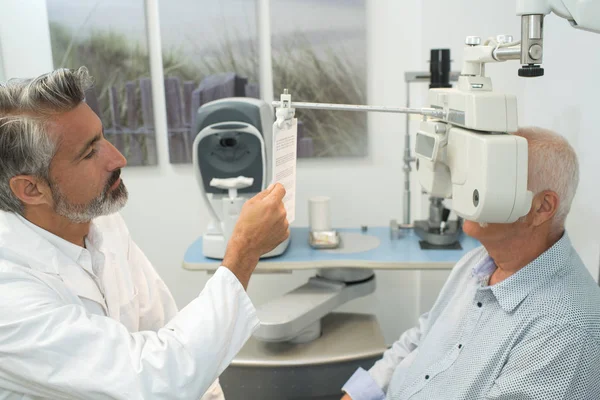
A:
(83, 314)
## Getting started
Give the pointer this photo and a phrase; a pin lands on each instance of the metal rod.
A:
(532, 32)
(407, 161)
(507, 53)
(351, 107)
(425, 76)
(535, 26)
(418, 76)
(263, 25)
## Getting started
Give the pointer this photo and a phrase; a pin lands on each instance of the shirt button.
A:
(479, 304)
(460, 346)
(426, 376)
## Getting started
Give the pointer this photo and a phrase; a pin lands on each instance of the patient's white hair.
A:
(553, 166)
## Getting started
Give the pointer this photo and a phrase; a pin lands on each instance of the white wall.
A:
(165, 213)
(24, 39)
(2, 78)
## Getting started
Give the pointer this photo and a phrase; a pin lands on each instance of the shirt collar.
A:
(484, 269)
(514, 289)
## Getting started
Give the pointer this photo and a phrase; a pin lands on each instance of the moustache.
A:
(113, 178)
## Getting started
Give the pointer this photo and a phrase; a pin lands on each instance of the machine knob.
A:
(535, 52)
(531, 71)
(473, 41)
(504, 38)
(440, 129)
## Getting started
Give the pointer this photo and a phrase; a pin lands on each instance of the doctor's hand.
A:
(346, 397)
(261, 226)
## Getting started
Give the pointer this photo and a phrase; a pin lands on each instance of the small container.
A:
(319, 216)
(324, 239)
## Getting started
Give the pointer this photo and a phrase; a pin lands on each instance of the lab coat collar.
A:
(71, 250)
(21, 244)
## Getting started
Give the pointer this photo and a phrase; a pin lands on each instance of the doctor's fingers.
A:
(277, 193)
(280, 220)
(280, 233)
(272, 207)
(285, 228)
(279, 215)
(264, 193)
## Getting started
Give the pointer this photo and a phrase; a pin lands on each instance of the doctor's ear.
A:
(31, 190)
(544, 206)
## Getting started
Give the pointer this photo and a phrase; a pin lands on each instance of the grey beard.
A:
(105, 204)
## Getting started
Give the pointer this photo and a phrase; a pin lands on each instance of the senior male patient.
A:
(83, 314)
(518, 318)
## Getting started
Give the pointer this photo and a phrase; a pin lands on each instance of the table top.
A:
(381, 252)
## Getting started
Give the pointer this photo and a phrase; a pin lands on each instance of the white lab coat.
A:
(66, 335)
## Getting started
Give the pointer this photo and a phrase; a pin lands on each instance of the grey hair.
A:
(25, 108)
(553, 165)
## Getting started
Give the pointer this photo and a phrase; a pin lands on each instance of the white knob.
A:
(473, 41)
(504, 38)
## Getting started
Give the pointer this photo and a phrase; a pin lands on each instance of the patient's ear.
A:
(31, 190)
(544, 207)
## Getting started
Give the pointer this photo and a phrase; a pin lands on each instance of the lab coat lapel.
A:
(110, 282)
(119, 289)
(79, 281)
(106, 268)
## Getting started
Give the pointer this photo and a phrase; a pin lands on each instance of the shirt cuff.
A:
(361, 386)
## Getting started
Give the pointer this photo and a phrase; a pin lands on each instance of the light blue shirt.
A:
(535, 335)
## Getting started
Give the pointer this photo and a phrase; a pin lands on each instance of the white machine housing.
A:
(231, 156)
(473, 105)
(467, 155)
(484, 174)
